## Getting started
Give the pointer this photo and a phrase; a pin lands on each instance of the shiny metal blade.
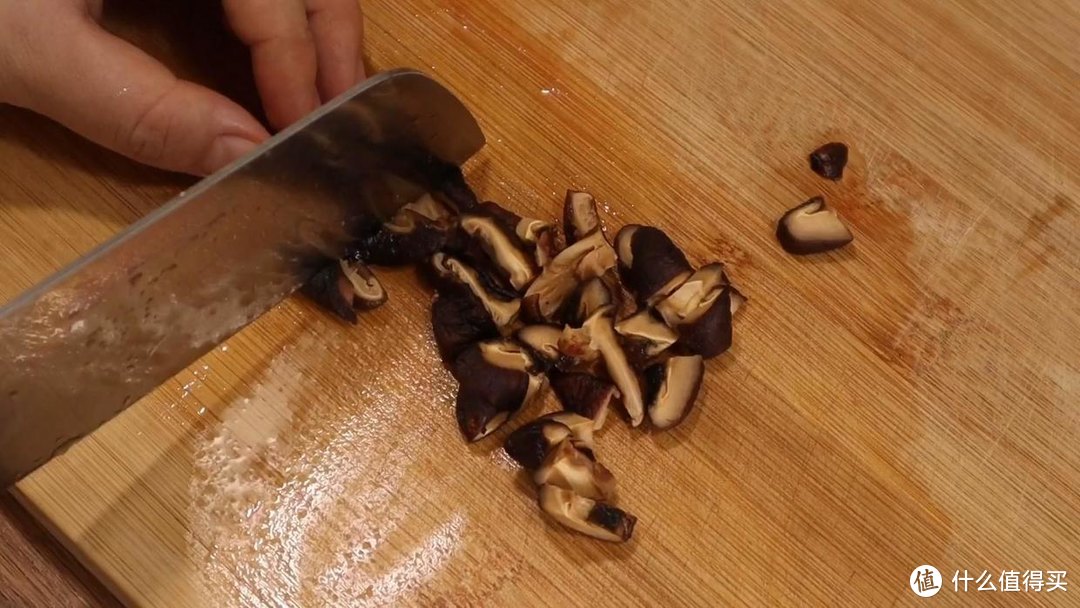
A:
(80, 347)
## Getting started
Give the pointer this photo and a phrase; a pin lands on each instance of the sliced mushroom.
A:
(650, 264)
(548, 245)
(512, 261)
(811, 228)
(567, 467)
(546, 297)
(687, 299)
(828, 161)
(345, 287)
(700, 311)
(673, 387)
(580, 218)
(644, 337)
(497, 379)
(530, 444)
(593, 295)
(596, 519)
(597, 335)
(459, 320)
(418, 230)
(584, 394)
(542, 341)
(581, 428)
(504, 313)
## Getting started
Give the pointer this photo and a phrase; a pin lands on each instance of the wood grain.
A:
(910, 400)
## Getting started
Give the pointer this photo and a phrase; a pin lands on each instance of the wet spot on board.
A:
(924, 337)
(1038, 242)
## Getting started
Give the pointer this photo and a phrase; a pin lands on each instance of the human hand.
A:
(56, 59)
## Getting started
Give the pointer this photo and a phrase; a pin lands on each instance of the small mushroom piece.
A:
(581, 428)
(547, 295)
(584, 394)
(828, 161)
(542, 342)
(496, 380)
(572, 469)
(650, 264)
(513, 262)
(530, 444)
(596, 519)
(645, 336)
(345, 287)
(598, 334)
(811, 228)
(700, 311)
(673, 387)
(593, 295)
(416, 231)
(455, 272)
(580, 218)
(458, 320)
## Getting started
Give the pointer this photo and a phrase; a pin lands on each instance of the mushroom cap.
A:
(829, 160)
(672, 388)
(503, 248)
(812, 228)
(547, 296)
(495, 382)
(649, 262)
(458, 320)
(453, 271)
(584, 394)
(367, 291)
(529, 445)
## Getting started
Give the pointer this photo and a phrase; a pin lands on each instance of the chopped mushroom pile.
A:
(521, 304)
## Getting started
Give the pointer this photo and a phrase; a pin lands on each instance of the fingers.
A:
(283, 55)
(114, 94)
(337, 27)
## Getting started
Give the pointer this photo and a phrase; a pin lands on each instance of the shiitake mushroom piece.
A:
(580, 218)
(672, 388)
(454, 273)
(584, 394)
(459, 320)
(546, 298)
(812, 228)
(644, 337)
(650, 264)
(593, 518)
(530, 444)
(503, 248)
(542, 342)
(567, 467)
(597, 335)
(416, 231)
(345, 287)
(829, 160)
(497, 378)
(701, 311)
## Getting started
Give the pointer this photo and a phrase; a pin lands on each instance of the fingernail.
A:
(224, 150)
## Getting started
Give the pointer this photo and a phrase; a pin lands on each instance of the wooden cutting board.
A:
(910, 400)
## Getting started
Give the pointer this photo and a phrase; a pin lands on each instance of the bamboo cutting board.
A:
(910, 400)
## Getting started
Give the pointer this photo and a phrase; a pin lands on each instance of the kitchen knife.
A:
(83, 345)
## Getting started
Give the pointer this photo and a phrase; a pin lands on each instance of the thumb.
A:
(118, 96)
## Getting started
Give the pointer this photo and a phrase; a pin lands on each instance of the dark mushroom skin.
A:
(580, 218)
(447, 272)
(583, 394)
(333, 289)
(829, 160)
(812, 228)
(507, 255)
(593, 518)
(710, 335)
(615, 520)
(529, 445)
(458, 320)
(672, 389)
(488, 396)
(387, 247)
(649, 262)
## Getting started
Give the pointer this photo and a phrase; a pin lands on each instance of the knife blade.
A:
(83, 345)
